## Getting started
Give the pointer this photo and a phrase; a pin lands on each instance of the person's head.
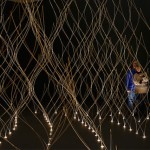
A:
(134, 63)
(136, 66)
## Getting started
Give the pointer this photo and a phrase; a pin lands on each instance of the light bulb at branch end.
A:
(100, 118)
(10, 132)
(147, 118)
(139, 120)
(124, 126)
(112, 121)
(14, 128)
(144, 137)
(0, 142)
(119, 113)
(35, 112)
(76, 112)
(102, 146)
(118, 123)
(5, 137)
(136, 133)
(55, 112)
(48, 144)
(130, 129)
(89, 127)
(75, 117)
(98, 140)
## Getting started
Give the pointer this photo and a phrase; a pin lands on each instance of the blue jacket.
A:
(129, 80)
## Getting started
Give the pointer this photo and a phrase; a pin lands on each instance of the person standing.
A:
(130, 85)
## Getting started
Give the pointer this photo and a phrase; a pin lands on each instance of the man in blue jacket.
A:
(130, 86)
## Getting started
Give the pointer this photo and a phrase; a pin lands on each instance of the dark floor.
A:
(26, 138)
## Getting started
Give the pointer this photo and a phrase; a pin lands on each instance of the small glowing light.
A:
(76, 112)
(0, 142)
(98, 140)
(144, 137)
(89, 127)
(118, 123)
(15, 125)
(147, 118)
(78, 119)
(124, 126)
(35, 112)
(100, 118)
(97, 112)
(5, 137)
(74, 117)
(14, 128)
(139, 120)
(119, 112)
(82, 122)
(102, 146)
(130, 129)
(136, 133)
(93, 130)
(96, 135)
(112, 121)
(110, 115)
(85, 124)
(123, 117)
(10, 132)
(48, 144)
(55, 112)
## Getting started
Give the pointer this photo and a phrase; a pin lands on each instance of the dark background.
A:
(24, 137)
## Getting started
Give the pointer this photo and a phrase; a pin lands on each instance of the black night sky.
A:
(65, 38)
